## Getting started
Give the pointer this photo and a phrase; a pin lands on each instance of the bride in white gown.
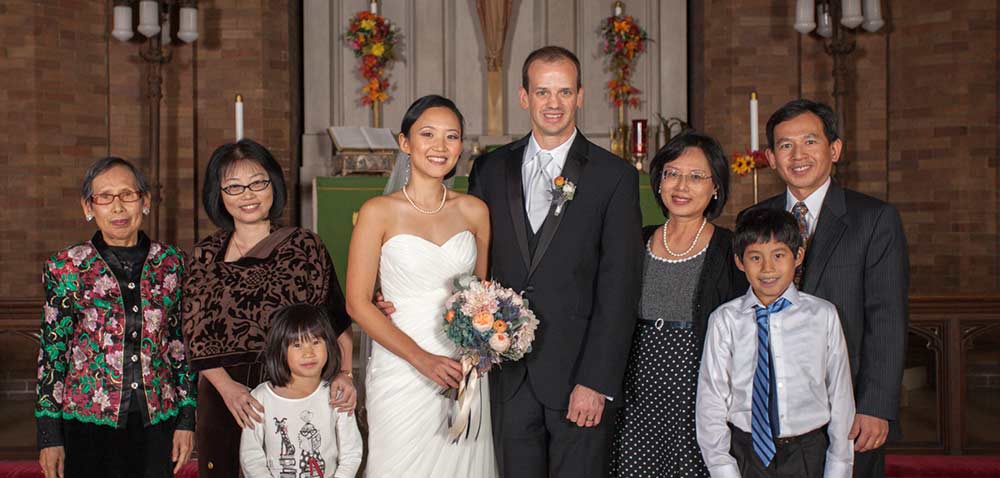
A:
(416, 241)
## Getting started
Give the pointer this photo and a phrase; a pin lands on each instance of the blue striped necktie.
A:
(760, 425)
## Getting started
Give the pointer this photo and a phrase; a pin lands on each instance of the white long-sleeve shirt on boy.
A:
(811, 370)
(302, 437)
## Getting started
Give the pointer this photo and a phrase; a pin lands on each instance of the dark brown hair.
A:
(549, 54)
(294, 323)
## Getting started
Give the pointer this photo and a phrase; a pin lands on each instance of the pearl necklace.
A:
(695, 241)
(443, 198)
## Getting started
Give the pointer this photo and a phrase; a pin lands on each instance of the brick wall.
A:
(922, 128)
(921, 119)
(69, 94)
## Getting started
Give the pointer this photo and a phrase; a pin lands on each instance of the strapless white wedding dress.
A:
(408, 433)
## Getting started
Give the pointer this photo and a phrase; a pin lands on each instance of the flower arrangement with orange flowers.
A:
(622, 40)
(744, 163)
(372, 38)
(489, 324)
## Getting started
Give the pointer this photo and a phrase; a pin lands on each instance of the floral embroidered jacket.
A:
(82, 337)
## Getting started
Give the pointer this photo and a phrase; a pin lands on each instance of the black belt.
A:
(659, 323)
(783, 441)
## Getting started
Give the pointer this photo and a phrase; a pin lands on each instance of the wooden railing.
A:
(950, 327)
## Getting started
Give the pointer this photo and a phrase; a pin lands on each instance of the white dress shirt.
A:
(814, 202)
(552, 170)
(555, 166)
(310, 424)
(811, 370)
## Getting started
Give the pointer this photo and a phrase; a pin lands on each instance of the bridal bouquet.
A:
(490, 324)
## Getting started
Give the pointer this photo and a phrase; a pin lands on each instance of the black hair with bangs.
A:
(291, 324)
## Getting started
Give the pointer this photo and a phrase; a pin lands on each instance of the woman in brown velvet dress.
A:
(237, 278)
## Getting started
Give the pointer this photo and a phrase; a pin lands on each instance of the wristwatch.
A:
(348, 373)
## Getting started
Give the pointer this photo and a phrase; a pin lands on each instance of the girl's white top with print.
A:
(300, 437)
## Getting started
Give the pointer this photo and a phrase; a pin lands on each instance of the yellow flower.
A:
(378, 49)
(368, 24)
(742, 165)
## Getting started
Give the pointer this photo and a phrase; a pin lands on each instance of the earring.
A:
(90, 217)
(145, 211)
(407, 173)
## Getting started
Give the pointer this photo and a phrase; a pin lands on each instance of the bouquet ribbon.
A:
(468, 394)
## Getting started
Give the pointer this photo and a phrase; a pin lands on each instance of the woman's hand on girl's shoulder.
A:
(343, 395)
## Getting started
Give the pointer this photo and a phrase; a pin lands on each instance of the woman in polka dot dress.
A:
(688, 270)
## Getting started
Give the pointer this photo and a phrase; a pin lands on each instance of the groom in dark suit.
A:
(575, 252)
(856, 258)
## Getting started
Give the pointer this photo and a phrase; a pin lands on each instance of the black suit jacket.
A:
(582, 281)
(858, 260)
(719, 281)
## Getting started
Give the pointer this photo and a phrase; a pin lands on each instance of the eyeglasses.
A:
(696, 177)
(103, 199)
(256, 186)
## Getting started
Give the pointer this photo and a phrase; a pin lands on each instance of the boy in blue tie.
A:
(774, 391)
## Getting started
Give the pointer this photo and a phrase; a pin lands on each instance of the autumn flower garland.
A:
(372, 38)
(622, 42)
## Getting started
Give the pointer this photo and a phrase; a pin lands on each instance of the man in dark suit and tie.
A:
(575, 251)
(856, 258)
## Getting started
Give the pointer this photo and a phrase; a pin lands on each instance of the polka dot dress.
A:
(655, 431)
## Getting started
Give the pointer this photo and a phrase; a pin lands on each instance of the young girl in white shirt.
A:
(301, 435)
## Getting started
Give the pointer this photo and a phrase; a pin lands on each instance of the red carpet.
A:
(897, 466)
(30, 469)
(941, 466)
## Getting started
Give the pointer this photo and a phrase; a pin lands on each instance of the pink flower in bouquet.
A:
(482, 322)
(500, 342)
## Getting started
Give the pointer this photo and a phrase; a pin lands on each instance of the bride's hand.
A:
(442, 370)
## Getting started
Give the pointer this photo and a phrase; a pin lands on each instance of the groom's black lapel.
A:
(576, 160)
(515, 201)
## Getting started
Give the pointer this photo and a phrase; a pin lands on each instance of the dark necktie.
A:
(800, 211)
(761, 429)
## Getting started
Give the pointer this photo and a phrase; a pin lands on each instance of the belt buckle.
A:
(659, 323)
(784, 441)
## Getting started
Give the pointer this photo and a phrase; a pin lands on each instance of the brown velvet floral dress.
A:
(227, 313)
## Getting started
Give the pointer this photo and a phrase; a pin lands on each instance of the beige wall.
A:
(443, 53)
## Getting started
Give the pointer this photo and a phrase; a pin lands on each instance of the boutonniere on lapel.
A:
(563, 191)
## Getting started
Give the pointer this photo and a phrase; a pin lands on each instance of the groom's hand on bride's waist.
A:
(586, 406)
(383, 305)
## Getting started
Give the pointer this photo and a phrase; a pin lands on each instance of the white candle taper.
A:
(239, 117)
(754, 142)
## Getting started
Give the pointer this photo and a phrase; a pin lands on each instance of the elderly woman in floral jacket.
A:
(115, 395)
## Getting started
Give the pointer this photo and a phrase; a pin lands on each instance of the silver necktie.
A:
(539, 191)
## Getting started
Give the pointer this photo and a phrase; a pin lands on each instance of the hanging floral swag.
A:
(622, 40)
(372, 38)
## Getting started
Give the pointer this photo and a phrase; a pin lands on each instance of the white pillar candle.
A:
(754, 142)
(618, 10)
(187, 30)
(873, 15)
(805, 16)
(239, 117)
(824, 27)
(850, 13)
(373, 7)
(165, 32)
(123, 23)
(149, 18)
